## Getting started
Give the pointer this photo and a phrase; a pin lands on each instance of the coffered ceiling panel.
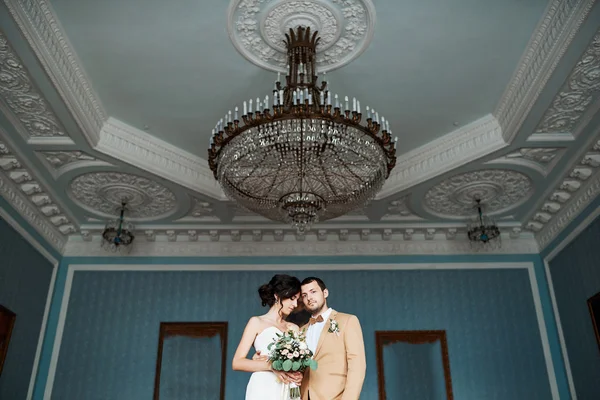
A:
(495, 100)
(170, 67)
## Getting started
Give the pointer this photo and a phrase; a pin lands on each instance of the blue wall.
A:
(414, 371)
(24, 282)
(576, 277)
(109, 345)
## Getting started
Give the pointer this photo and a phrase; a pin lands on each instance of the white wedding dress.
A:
(264, 385)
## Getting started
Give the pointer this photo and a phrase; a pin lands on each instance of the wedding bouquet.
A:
(290, 353)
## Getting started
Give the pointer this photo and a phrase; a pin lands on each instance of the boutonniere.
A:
(334, 327)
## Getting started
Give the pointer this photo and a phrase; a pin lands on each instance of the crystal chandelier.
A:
(311, 156)
(117, 234)
(483, 229)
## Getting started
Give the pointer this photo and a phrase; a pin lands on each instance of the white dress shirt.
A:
(313, 332)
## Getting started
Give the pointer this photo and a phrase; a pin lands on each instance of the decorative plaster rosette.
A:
(102, 193)
(257, 29)
(499, 190)
(21, 96)
(581, 90)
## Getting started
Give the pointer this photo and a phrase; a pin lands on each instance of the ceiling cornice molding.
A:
(550, 40)
(45, 35)
(566, 213)
(171, 245)
(568, 196)
(136, 147)
(446, 153)
(31, 213)
(28, 196)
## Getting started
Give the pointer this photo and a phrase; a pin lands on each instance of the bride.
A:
(281, 294)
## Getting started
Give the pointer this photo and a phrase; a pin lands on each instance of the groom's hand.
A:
(295, 377)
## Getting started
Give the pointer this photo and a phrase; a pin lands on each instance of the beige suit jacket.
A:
(341, 362)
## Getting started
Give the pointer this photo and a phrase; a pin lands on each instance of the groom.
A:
(336, 341)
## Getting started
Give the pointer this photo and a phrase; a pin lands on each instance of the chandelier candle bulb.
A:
(271, 162)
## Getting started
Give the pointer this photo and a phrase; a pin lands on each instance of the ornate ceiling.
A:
(498, 100)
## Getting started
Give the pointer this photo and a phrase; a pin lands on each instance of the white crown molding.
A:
(571, 193)
(45, 35)
(567, 214)
(553, 35)
(573, 106)
(156, 156)
(253, 244)
(441, 155)
(23, 205)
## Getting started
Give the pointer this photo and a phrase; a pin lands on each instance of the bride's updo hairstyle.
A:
(282, 286)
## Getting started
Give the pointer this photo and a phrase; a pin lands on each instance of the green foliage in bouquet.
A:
(289, 352)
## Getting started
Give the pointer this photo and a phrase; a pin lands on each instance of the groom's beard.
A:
(318, 311)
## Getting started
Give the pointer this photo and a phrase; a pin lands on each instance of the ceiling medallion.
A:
(345, 27)
(311, 157)
(501, 190)
(101, 193)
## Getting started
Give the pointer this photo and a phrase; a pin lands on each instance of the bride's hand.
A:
(258, 357)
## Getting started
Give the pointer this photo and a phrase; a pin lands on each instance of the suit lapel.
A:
(324, 331)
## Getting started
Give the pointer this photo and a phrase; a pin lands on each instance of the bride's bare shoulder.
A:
(258, 321)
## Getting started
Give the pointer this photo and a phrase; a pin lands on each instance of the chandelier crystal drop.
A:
(311, 157)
